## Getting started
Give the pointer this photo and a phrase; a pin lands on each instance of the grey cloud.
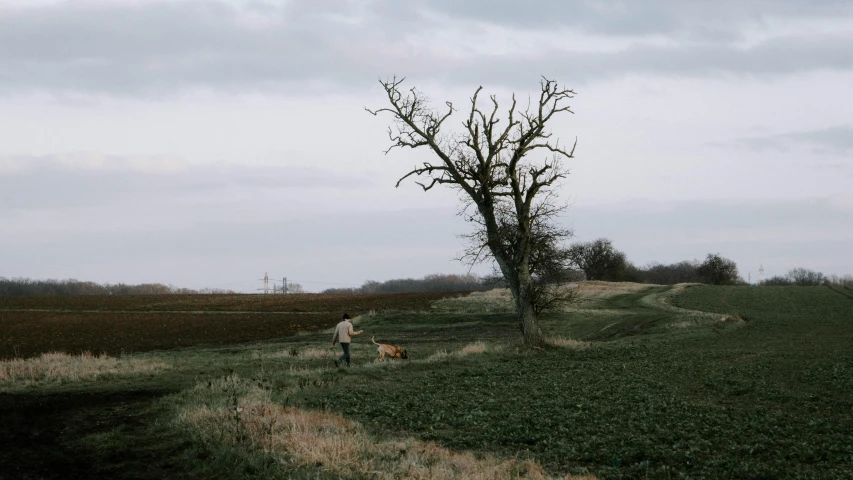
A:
(779, 56)
(152, 48)
(163, 48)
(712, 21)
(836, 140)
(46, 183)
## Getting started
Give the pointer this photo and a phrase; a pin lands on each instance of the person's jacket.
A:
(344, 332)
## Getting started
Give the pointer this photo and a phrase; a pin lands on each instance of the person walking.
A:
(343, 334)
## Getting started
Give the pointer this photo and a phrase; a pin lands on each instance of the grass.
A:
(59, 368)
(636, 382)
(342, 447)
(768, 397)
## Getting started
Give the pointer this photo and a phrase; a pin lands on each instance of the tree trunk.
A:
(530, 327)
(527, 319)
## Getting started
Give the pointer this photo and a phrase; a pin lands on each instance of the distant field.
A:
(118, 324)
(27, 334)
(307, 302)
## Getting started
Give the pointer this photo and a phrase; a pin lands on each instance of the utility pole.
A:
(284, 285)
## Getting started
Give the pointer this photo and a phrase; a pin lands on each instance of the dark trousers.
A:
(345, 356)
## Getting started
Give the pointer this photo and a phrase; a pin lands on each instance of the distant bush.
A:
(776, 281)
(841, 280)
(28, 287)
(599, 260)
(804, 277)
(430, 283)
(718, 270)
(660, 274)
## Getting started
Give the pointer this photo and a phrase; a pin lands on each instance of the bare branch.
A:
(508, 193)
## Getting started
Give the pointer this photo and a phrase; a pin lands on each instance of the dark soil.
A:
(85, 435)
(116, 324)
(28, 334)
(354, 304)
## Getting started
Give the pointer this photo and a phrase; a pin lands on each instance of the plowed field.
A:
(30, 326)
(306, 302)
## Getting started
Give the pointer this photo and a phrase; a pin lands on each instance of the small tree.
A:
(599, 260)
(658, 273)
(717, 270)
(776, 281)
(507, 194)
(805, 277)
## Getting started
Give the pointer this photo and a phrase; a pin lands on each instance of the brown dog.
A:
(392, 351)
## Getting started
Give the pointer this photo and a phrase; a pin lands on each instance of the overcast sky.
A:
(202, 143)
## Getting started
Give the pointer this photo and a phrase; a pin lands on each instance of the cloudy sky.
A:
(202, 143)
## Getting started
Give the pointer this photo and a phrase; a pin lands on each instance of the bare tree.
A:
(599, 260)
(507, 194)
(718, 270)
(805, 277)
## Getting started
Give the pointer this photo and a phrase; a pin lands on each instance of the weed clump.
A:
(62, 367)
(568, 343)
(733, 319)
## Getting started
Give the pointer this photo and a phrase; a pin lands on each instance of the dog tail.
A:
(373, 339)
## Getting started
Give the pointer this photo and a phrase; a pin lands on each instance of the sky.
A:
(206, 143)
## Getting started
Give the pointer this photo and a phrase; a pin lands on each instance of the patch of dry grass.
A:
(62, 367)
(343, 447)
(498, 300)
(732, 319)
(690, 318)
(593, 291)
(439, 356)
(314, 353)
(569, 343)
(474, 348)
(309, 353)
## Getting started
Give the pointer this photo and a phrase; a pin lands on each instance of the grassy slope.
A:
(770, 398)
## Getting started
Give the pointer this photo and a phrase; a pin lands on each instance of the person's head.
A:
(346, 316)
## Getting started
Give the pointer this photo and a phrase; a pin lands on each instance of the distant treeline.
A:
(430, 283)
(690, 272)
(600, 260)
(806, 277)
(26, 286)
(658, 273)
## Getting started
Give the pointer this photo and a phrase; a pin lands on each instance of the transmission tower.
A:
(266, 283)
(761, 273)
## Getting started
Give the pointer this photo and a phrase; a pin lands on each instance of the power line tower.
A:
(284, 285)
(761, 273)
(266, 283)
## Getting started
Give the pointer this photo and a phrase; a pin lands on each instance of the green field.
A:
(664, 382)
